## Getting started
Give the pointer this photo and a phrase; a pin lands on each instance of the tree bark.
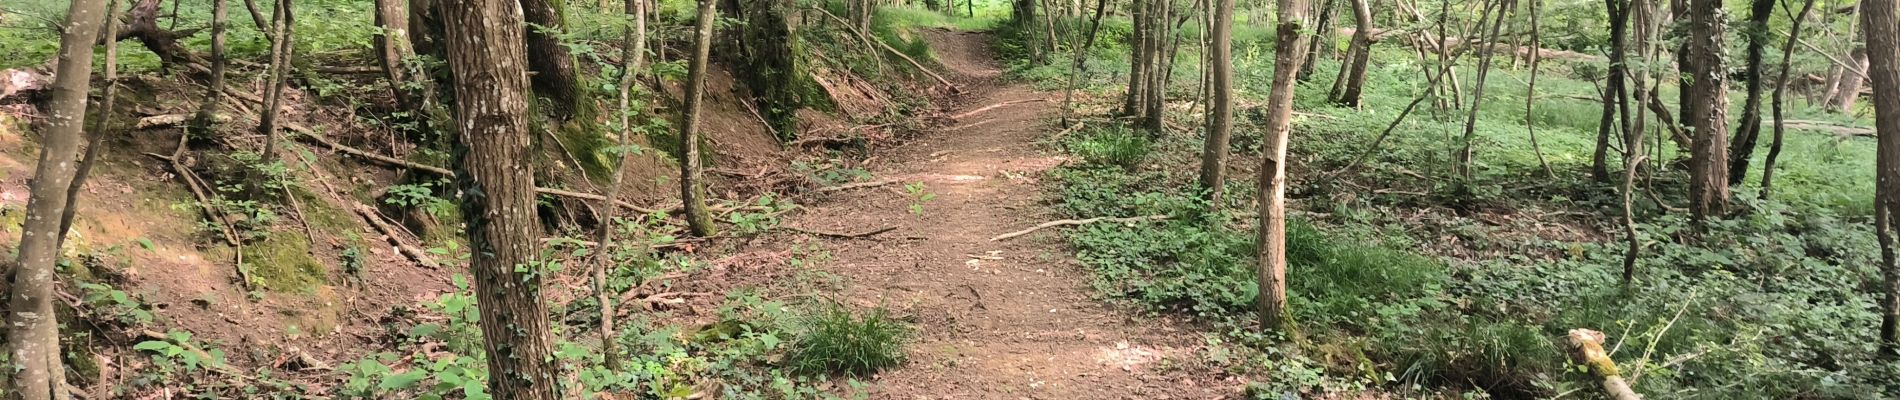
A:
(1849, 89)
(393, 48)
(692, 184)
(1468, 151)
(634, 48)
(1081, 58)
(1221, 106)
(95, 142)
(214, 94)
(1271, 269)
(555, 78)
(1362, 53)
(1750, 129)
(283, 50)
(1614, 88)
(1882, 28)
(771, 68)
(1781, 88)
(1323, 35)
(1707, 111)
(33, 334)
(486, 54)
(1137, 64)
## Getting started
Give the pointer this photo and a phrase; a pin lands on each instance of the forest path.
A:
(993, 320)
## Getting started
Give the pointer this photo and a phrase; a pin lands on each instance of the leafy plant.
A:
(919, 196)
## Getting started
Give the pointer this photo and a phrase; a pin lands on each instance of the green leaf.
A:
(403, 380)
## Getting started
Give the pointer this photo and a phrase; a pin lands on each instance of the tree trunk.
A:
(214, 94)
(33, 334)
(771, 67)
(486, 53)
(692, 185)
(1271, 269)
(1614, 88)
(1137, 67)
(1707, 110)
(1750, 129)
(1882, 28)
(283, 51)
(1469, 146)
(1362, 53)
(552, 66)
(1843, 101)
(95, 142)
(1781, 87)
(634, 45)
(1081, 57)
(1322, 32)
(1221, 106)
(393, 49)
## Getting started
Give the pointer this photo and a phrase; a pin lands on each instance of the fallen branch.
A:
(864, 234)
(445, 172)
(1586, 347)
(859, 185)
(1076, 222)
(376, 220)
(994, 106)
(171, 120)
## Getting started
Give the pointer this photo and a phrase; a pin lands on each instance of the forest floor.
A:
(992, 320)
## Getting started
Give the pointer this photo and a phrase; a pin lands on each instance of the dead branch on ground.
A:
(1076, 222)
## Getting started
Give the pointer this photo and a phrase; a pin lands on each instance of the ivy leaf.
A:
(403, 380)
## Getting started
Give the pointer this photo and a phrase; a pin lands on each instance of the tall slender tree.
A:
(1220, 125)
(214, 87)
(1707, 111)
(1614, 87)
(1468, 149)
(1289, 40)
(692, 184)
(634, 49)
(38, 373)
(1882, 27)
(488, 58)
(1781, 89)
(1361, 50)
(1750, 129)
(283, 51)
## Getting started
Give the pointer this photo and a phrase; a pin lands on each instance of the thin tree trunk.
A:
(1322, 32)
(283, 52)
(33, 334)
(1221, 122)
(1882, 28)
(692, 185)
(1079, 68)
(1271, 269)
(1843, 101)
(95, 142)
(486, 53)
(634, 53)
(1781, 87)
(1469, 150)
(1708, 110)
(1137, 66)
(1530, 92)
(1613, 91)
(214, 95)
(1362, 52)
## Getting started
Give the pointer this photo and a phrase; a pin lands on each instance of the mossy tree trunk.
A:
(769, 49)
(554, 75)
(496, 176)
(692, 181)
(38, 372)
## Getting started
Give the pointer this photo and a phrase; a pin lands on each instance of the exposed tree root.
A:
(395, 238)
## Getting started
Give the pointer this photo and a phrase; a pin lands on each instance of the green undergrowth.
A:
(1776, 302)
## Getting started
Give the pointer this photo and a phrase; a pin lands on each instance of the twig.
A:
(376, 220)
(900, 54)
(1075, 222)
(864, 234)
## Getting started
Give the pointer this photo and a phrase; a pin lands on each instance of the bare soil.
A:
(993, 320)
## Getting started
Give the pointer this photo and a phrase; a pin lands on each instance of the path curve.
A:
(994, 320)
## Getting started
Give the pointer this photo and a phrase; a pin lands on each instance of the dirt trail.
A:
(995, 320)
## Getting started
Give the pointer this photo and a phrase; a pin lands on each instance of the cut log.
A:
(1586, 347)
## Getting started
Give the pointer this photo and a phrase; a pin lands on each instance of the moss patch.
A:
(282, 263)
